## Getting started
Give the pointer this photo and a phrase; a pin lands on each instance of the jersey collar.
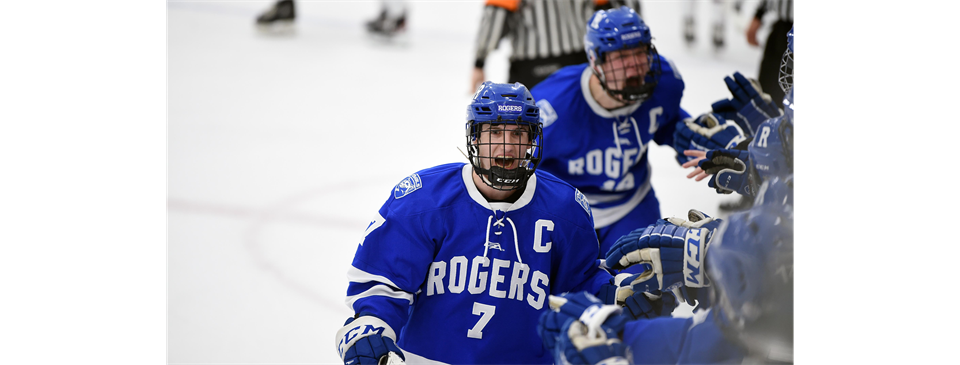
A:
(525, 198)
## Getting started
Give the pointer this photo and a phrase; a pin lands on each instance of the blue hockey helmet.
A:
(506, 156)
(786, 65)
(622, 29)
(751, 267)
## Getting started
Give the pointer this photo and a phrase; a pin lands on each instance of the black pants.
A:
(770, 64)
(531, 72)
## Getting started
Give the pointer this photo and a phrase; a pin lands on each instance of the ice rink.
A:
(280, 147)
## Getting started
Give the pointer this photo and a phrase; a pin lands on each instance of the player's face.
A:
(502, 145)
(626, 68)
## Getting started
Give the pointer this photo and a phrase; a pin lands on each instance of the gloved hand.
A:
(749, 106)
(636, 304)
(729, 170)
(578, 345)
(673, 248)
(706, 132)
(367, 340)
(591, 321)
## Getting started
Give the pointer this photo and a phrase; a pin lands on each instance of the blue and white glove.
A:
(673, 248)
(729, 170)
(706, 132)
(579, 346)
(368, 340)
(589, 334)
(637, 305)
(749, 106)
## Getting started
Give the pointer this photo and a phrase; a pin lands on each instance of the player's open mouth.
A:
(635, 81)
(503, 161)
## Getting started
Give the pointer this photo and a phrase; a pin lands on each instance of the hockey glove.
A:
(673, 248)
(706, 132)
(636, 304)
(595, 321)
(729, 170)
(749, 106)
(578, 345)
(368, 340)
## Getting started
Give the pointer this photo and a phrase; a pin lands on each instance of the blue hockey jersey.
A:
(463, 280)
(695, 340)
(603, 152)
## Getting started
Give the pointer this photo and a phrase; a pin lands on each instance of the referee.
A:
(546, 35)
(776, 44)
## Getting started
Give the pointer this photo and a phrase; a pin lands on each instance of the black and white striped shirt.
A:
(538, 29)
(782, 8)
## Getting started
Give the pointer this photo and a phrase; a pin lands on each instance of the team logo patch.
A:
(407, 186)
(583, 202)
(547, 114)
(509, 108)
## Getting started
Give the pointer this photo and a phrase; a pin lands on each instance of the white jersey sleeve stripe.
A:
(379, 290)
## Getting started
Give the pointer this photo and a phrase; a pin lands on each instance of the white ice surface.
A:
(281, 147)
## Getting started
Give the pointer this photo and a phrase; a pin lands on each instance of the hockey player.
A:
(748, 259)
(458, 263)
(600, 117)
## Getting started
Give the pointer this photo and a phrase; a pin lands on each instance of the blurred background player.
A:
(545, 35)
(776, 43)
(280, 16)
(424, 286)
(599, 118)
(392, 17)
(718, 22)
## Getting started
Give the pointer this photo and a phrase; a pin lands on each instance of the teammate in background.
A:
(748, 261)
(599, 118)
(545, 35)
(458, 263)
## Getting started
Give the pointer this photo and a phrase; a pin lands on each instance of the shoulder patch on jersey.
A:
(583, 201)
(547, 114)
(407, 186)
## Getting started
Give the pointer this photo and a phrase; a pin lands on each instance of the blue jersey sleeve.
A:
(670, 92)
(695, 340)
(389, 265)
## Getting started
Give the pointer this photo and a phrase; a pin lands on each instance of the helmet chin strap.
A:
(635, 95)
(503, 179)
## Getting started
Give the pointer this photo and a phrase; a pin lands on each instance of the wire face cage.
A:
(505, 153)
(631, 73)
